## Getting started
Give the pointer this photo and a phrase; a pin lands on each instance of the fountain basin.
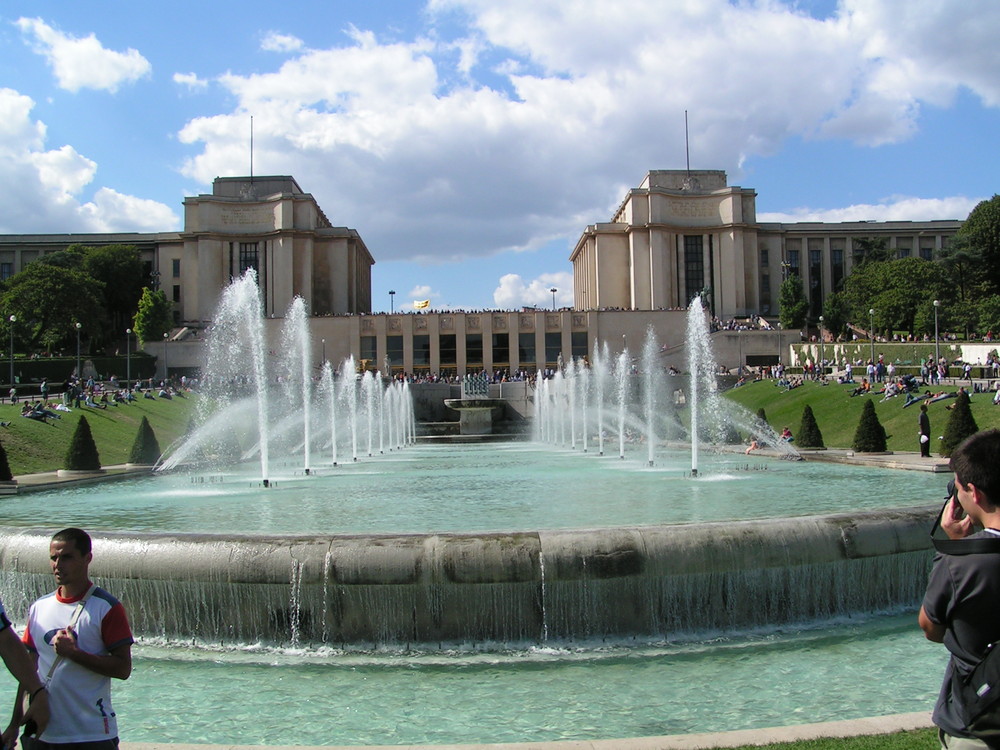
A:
(476, 415)
(525, 587)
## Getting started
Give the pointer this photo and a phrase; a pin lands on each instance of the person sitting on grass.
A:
(862, 389)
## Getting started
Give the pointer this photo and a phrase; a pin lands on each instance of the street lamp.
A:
(78, 327)
(166, 365)
(553, 290)
(821, 368)
(128, 359)
(13, 320)
(392, 300)
(871, 331)
(937, 346)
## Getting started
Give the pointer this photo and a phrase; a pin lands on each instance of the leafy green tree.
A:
(867, 249)
(119, 268)
(82, 454)
(809, 435)
(153, 318)
(792, 303)
(835, 314)
(146, 448)
(979, 237)
(5, 473)
(961, 424)
(870, 436)
(896, 289)
(988, 309)
(48, 300)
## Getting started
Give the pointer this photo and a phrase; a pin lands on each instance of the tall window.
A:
(578, 344)
(176, 267)
(694, 265)
(553, 347)
(501, 349)
(421, 350)
(526, 351)
(449, 351)
(816, 276)
(177, 292)
(369, 348)
(927, 248)
(838, 246)
(793, 251)
(6, 270)
(904, 247)
(394, 350)
(249, 257)
(474, 349)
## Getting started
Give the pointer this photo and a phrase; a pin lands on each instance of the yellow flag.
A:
(420, 304)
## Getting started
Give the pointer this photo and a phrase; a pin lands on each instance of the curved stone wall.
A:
(363, 591)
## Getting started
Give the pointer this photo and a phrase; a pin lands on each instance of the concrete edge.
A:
(706, 741)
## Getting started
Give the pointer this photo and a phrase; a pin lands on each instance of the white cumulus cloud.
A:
(276, 42)
(83, 62)
(899, 208)
(514, 291)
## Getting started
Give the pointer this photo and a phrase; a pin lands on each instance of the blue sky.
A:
(471, 141)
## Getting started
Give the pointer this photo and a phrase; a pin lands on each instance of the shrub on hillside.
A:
(146, 448)
(809, 435)
(961, 424)
(5, 473)
(82, 454)
(870, 436)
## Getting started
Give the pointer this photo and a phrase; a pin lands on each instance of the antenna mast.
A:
(687, 150)
(251, 146)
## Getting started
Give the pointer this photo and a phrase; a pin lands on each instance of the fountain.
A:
(422, 560)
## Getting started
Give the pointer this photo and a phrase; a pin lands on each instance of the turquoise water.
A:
(477, 488)
(843, 670)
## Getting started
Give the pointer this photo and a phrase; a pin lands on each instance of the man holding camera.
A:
(960, 604)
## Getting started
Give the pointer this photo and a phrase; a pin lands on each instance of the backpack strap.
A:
(980, 546)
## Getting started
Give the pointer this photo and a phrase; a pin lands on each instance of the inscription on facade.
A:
(692, 209)
(241, 216)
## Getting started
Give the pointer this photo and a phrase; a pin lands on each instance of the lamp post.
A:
(78, 327)
(871, 331)
(166, 364)
(553, 290)
(128, 359)
(322, 360)
(392, 301)
(937, 346)
(13, 320)
(821, 367)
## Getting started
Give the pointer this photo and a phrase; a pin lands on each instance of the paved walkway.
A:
(853, 728)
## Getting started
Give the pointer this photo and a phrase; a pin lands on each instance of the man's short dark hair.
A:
(79, 537)
(977, 461)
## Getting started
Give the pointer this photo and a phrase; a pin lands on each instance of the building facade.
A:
(680, 233)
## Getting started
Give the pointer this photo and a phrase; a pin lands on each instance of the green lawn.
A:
(34, 446)
(837, 414)
(921, 739)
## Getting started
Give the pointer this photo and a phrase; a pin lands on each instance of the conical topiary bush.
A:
(870, 435)
(5, 472)
(809, 435)
(82, 454)
(146, 448)
(961, 424)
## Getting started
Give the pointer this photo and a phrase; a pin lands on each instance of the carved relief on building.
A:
(447, 323)
(552, 321)
(472, 322)
(527, 322)
(579, 321)
(395, 324)
(367, 324)
(499, 322)
(420, 323)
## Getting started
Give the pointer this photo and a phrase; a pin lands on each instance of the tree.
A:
(152, 319)
(5, 473)
(146, 448)
(792, 303)
(870, 436)
(961, 424)
(809, 435)
(835, 314)
(48, 300)
(82, 454)
(979, 236)
(988, 309)
(896, 289)
(868, 249)
(119, 269)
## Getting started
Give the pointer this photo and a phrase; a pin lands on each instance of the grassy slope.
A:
(837, 414)
(34, 446)
(923, 739)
